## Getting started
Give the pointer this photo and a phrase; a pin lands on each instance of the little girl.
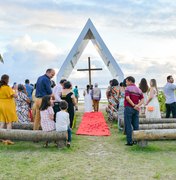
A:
(63, 121)
(47, 115)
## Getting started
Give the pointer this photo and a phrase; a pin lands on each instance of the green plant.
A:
(162, 99)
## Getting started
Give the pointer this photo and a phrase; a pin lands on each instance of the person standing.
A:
(169, 91)
(87, 99)
(69, 97)
(96, 96)
(43, 87)
(76, 93)
(121, 103)
(22, 105)
(7, 103)
(133, 100)
(152, 104)
(145, 90)
(115, 94)
(29, 90)
(57, 90)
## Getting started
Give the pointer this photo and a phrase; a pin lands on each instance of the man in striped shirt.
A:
(133, 100)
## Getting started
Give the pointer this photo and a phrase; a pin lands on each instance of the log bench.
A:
(28, 126)
(143, 136)
(163, 123)
(37, 135)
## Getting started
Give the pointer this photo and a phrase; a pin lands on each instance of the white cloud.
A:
(25, 58)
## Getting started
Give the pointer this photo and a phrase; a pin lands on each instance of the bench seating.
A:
(143, 136)
(37, 135)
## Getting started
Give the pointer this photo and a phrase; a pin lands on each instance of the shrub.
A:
(162, 99)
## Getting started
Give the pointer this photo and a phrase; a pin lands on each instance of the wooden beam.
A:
(152, 121)
(157, 126)
(156, 120)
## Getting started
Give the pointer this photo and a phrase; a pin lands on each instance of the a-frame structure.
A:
(89, 32)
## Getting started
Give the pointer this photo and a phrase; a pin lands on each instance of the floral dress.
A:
(22, 108)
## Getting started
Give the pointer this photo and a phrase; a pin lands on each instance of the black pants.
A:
(171, 108)
(56, 109)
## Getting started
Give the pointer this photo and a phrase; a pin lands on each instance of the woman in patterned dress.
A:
(22, 105)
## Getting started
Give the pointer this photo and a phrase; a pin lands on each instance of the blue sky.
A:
(36, 35)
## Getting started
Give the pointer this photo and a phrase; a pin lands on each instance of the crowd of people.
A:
(52, 106)
(49, 106)
(130, 101)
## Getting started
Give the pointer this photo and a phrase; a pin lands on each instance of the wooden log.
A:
(156, 120)
(154, 134)
(157, 126)
(28, 126)
(152, 121)
(143, 116)
(30, 135)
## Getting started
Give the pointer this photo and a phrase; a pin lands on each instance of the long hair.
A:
(143, 85)
(154, 84)
(67, 85)
(4, 80)
(114, 82)
(87, 89)
(45, 102)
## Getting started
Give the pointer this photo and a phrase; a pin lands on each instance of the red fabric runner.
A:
(93, 124)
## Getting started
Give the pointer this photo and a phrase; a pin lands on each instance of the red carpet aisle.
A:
(93, 124)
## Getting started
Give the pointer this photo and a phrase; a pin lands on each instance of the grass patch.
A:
(89, 157)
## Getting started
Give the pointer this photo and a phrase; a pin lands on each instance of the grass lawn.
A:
(89, 158)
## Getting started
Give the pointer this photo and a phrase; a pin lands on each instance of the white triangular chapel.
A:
(89, 32)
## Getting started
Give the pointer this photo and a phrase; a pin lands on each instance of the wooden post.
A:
(89, 71)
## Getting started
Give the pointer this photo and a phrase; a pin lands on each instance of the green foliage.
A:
(162, 99)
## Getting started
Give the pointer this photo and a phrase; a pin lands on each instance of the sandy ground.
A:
(102, 107)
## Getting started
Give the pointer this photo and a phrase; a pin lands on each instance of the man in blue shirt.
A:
(169, 91)
(29, 90)
(43, 87)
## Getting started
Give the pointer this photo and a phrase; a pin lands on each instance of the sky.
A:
(36, 35)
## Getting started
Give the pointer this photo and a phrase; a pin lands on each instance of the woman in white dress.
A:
(152, 104)
(87, 100)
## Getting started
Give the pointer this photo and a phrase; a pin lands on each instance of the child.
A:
(47, 115)
(63, 121)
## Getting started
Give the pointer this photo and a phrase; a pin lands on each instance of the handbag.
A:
(150, 108)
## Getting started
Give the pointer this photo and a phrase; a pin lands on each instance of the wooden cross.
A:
(89, 69)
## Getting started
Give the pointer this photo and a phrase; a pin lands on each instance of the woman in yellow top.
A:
(7, 103)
